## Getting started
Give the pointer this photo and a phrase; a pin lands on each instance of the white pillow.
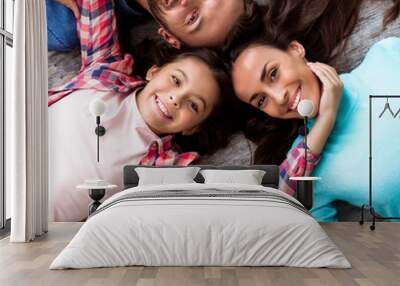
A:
(248, 177)
(163, 176)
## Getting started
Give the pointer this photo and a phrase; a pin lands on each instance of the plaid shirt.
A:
(105, 68)
(294, 166)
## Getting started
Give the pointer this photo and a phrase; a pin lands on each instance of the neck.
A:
(143, 3)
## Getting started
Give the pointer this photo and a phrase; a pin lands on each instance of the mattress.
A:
(201, 225)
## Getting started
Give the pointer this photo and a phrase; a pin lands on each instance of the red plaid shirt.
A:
(105, 68)
(294, 166)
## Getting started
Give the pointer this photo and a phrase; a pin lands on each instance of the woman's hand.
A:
(332, 89)
(71, 4)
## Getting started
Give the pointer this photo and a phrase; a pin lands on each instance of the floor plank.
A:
(374, 255)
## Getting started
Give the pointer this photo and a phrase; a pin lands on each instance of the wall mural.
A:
(161, 83)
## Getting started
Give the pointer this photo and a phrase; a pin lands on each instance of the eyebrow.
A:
(264, 72)
(204, 102)
(262, 78)
(183, 73)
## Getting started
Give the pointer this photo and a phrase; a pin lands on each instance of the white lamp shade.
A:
(97, 107)
(305, 108)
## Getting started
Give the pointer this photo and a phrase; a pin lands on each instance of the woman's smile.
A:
(296, 99)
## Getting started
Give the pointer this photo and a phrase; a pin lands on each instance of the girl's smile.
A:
(178, 97)
(162, 109)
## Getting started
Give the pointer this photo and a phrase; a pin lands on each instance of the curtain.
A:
(26, 123)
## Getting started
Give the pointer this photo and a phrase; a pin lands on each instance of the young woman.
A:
(272, 74)
(183, 96)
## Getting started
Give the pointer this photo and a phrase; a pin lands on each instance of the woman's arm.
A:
(295, 164)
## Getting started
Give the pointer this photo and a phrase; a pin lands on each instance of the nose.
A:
(174, 100)
(184, 3)
(280, 96)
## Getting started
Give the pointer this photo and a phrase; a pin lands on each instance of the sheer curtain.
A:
(26, 123)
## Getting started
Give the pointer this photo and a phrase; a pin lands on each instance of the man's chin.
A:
(156, 5)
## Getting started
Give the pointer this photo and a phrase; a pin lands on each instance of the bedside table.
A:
(97, 189)
(305, 190)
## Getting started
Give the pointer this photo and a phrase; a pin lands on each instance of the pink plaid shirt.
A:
(105, 68)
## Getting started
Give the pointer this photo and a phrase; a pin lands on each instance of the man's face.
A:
(197, 23)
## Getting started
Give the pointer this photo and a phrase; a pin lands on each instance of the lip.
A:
(169, 3)
(162, 108)
(296, 98)
(189, 16)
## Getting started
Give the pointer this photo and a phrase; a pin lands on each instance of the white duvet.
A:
(204, 231)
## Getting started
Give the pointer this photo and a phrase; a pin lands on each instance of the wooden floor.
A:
(374, 255)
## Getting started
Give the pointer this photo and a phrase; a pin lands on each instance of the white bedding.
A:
(233, 230)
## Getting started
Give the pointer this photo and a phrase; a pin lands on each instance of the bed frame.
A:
(270, 179)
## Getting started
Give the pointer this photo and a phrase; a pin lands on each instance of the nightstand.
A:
(305, 190)
(97, 189)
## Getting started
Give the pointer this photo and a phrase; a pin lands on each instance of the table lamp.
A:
(97, 108)
(304, 190)
(305, 109)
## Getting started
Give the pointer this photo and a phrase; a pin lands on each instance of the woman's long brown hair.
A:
(392, 13)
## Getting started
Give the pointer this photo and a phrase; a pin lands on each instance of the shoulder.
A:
(381, 57)
(391, 44)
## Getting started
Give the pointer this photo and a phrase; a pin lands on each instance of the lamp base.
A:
(305, 193)
(96, 195)
(100, 130)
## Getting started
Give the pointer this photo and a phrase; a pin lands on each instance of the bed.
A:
(201, 224)
(240, 151)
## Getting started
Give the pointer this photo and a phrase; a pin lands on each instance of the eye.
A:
(193, 17)
(194, 106)
(176, 80)
(273, 74)
(261, 101)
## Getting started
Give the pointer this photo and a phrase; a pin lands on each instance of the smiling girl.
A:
(272, 74)
(180, 96)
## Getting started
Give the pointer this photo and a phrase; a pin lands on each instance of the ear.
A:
(151, 72)
(191, 131)
(169, 38)
(295, 48)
